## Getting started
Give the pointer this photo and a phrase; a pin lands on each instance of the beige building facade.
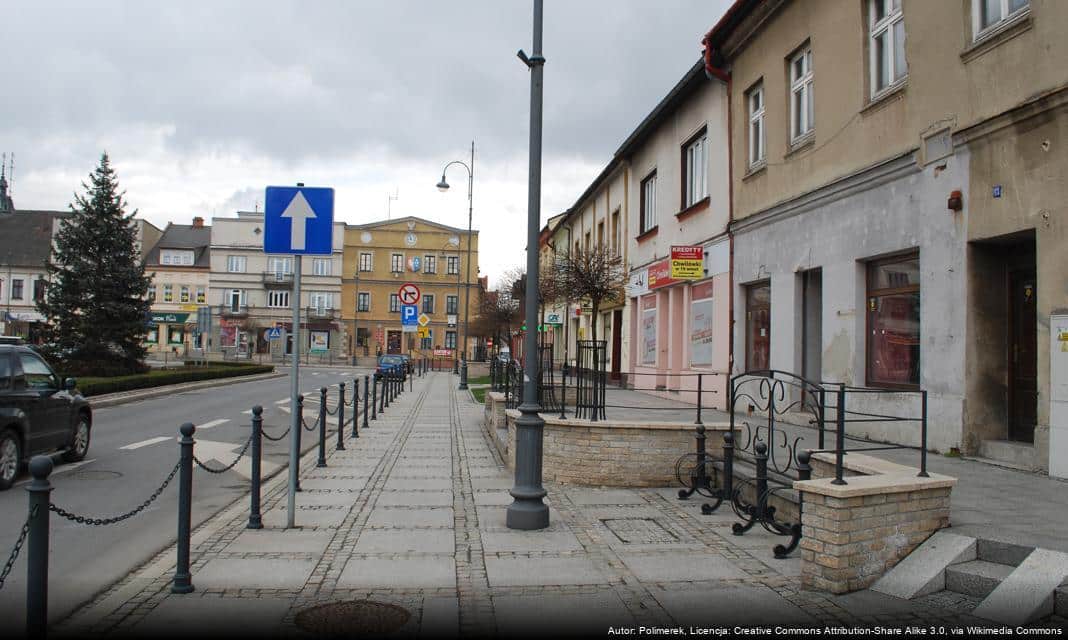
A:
(898, 205)
(179, 266)
(381, 256)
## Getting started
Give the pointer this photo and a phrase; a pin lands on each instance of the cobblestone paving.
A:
(413, 513)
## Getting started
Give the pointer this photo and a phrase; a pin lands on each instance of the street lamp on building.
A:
(444, 186)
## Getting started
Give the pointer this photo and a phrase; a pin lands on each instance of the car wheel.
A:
(79, 445)
(10, 457)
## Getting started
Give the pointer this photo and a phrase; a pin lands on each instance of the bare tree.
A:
(498, 311)
(594, 274)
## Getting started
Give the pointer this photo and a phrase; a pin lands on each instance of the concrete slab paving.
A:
(730, 605)
(680, 566)
(414, 498)
(542, 571)
(523, 541)
(404, 540)
(236, 617)
(281, 541)
(328, 518)
(406, 517)
(416, 572)
(254, 573)
(581, 614)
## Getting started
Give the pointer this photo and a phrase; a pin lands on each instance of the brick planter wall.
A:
(611, 453)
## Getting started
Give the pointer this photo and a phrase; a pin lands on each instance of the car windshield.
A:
(390, 360)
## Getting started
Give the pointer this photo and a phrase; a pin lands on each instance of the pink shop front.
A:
(680, 329)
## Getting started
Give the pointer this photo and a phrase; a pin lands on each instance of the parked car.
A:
(391, 365)
(37, 413)
(11, 340)
(407, 357)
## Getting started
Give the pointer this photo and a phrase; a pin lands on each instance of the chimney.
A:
(198, 222)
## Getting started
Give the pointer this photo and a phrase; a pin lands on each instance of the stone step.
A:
(1018, 455)
(976, 578)
(1002, 552)
(1028, 593)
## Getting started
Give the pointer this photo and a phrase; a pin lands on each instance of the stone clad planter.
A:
(854, 533)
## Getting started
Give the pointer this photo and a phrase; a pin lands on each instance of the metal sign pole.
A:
(294, 390)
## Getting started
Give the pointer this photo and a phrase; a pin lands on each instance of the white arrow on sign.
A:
(298, 211)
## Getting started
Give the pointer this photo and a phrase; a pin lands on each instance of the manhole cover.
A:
(639, 531)
(357, 616)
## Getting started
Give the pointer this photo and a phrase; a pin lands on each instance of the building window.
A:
(648, 203)
(16, 288)
(184, 295)
(363, 301)
(396, 264)
(176, 257)
(280, 265)
(758, 327)
(702, 310)
(452, 305)
(235, 298)
(990, 15)
(428, 303)
(801, 113)
(755, 100)
(235, 264)
(587, 236)
(430, 264)
(886, 44)
(40, 285)
(453, 265)
(278, 299)
(152, 292)
(894, 322)
(600, 234)
(168, 293)
(694, 170)
(202, 296)
(450, 339)
(648, 337)
(366, 263)
(321, 300)
(175, 335)
(394, 303)
(428, 342)
(321, 266)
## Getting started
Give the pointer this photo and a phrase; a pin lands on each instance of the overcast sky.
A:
(203, 104)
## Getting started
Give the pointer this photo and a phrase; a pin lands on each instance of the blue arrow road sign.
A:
(299, 220)
(409, 315)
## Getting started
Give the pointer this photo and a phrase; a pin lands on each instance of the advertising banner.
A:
(687, 262)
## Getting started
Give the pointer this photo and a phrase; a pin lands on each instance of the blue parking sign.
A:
(409, 315)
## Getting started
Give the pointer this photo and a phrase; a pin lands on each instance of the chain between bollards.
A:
(255, 520)
(183, 581)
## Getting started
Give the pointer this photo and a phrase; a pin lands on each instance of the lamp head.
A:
(443, 186)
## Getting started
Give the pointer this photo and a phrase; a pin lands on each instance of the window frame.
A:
(368, 265)
(275, 295)
(183, 294)
(168, 292)
(757, 117)
(452, 265)
(871, 294)
(979, 32)
(396, 263)
(876, 28)
(428, 303)
(804, 84)
(151, 293)
(202, 295)
(322, 264)
(688, 170)
(363, 302)
(394, 303)
(430, 264)
(647, 211)
(452, 305)
(240, 262)
(19, 290)
(450, 340)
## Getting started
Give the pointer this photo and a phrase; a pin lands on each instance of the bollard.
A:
(322, 428)
(804, 469)
(366, 384)
(700, 377)
(374, 398)
(385, 392)
(255, 521)
(356, 407)
(40, 491)
(183, 582)
(300, 430)
(341, 417)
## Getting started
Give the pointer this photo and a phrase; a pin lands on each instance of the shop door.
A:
(393, 342)
(758, 327)
(1023, 357)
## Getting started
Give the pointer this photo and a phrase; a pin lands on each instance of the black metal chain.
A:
(63, 513)
(10, 564)
(229, 466)
(314, 425)
(334, 412)
(274, 439)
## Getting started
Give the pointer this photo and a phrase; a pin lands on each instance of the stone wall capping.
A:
(865, 464)
(860, 486)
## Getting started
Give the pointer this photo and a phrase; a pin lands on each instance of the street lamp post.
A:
(527, 510)
(444, 186)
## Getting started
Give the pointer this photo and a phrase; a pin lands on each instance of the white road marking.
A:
(247, 412)
(285, 410)
(282, 401)
(213, 423)
(145, 443)
(316, 373)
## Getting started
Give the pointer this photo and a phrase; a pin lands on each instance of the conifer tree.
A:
(95, 302)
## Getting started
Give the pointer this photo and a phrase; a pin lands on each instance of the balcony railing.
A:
(233, 311)
(322, 313)
(278, 279)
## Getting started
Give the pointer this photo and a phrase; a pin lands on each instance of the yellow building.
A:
(379, 257)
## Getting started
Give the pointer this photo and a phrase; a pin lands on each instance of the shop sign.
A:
(443, 352)
(554, 319)
(687, 262)
(169, 318)
(638, 284)
(320, 341)
(660, 275)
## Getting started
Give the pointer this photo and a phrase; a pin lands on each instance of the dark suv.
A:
(37, 415)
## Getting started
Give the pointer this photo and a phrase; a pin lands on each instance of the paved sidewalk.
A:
(413, 514)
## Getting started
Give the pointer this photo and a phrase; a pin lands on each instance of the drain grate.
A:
(639, 531)
(356, 616)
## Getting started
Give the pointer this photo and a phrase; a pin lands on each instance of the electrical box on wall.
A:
(1058, 386)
